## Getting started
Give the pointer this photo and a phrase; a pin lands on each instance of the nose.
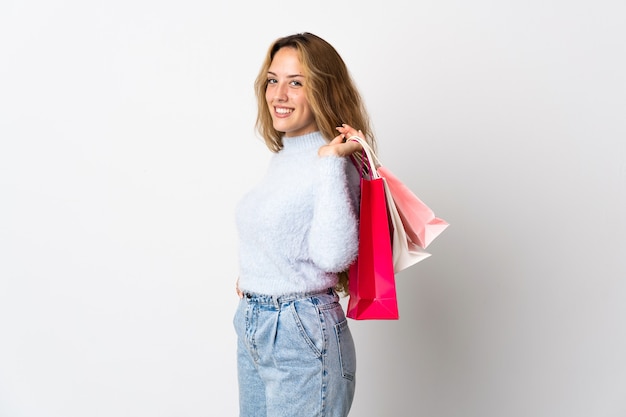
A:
(280, 92)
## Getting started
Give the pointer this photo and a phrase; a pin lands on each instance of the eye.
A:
(296, 83)
(271, 81)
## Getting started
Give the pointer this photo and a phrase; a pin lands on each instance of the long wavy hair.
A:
(330, 91)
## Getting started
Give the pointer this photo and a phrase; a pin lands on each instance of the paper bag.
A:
(419, 221)
(372, 285)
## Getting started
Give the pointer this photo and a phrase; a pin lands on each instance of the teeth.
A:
(283, 111)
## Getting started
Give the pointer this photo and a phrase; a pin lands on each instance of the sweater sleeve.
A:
(334, 237)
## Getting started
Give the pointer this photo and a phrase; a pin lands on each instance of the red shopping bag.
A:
(372, 285)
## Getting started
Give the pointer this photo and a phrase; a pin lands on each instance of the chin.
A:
(281, 129)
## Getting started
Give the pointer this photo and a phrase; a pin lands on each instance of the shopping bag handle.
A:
(368, 156)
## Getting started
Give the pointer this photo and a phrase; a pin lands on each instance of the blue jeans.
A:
(295, 356)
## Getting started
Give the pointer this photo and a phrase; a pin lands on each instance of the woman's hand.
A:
(341, 145)
(239, 293)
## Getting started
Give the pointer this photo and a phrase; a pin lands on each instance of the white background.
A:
(126, 139)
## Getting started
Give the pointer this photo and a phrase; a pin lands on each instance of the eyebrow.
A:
(289, 76)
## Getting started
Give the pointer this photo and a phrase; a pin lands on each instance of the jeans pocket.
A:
(308, 322)
(347, 354)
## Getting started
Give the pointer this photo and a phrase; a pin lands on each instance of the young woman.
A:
(298, 235)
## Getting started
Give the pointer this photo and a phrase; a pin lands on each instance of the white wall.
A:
(126, 139)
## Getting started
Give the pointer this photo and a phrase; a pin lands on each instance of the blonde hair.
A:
(331, 93)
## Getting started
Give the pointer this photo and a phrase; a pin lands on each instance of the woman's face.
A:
(286, 95)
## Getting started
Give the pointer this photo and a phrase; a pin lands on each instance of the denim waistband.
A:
(280, 299)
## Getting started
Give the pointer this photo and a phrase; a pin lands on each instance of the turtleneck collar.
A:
(304, 142)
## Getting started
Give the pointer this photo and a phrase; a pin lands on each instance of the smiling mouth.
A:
(283, 110)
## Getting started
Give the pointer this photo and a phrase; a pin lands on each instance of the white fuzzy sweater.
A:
(299, 226)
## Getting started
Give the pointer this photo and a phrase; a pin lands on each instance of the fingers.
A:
(337, 147)
(348, 131)
(341, 145)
